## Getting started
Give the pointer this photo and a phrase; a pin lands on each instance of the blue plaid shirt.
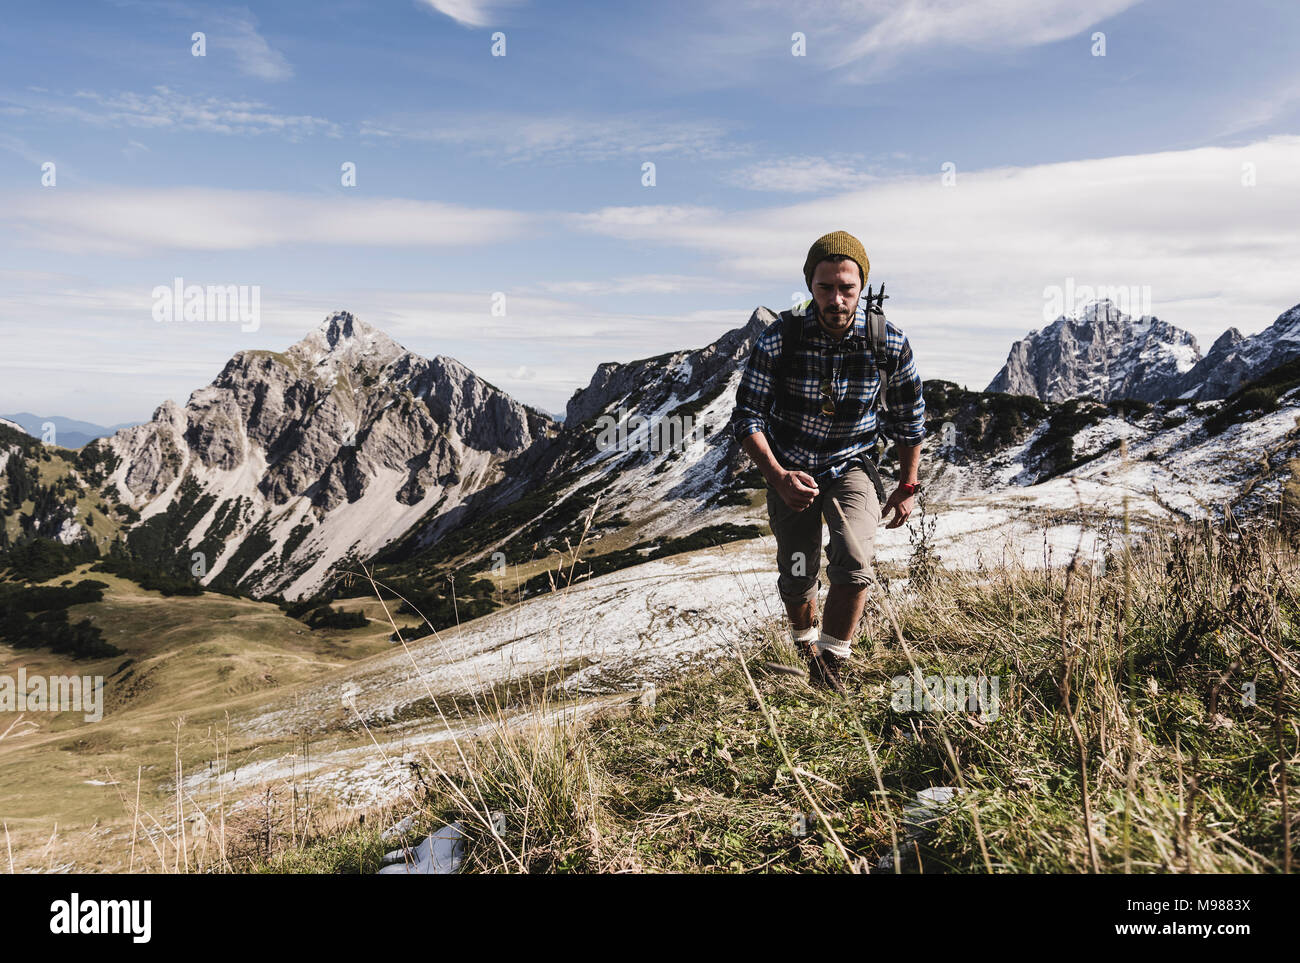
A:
(805, 439)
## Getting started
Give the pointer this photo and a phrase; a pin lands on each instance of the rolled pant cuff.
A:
(809, 595)
(863, 579)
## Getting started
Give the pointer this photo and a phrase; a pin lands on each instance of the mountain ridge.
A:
(291, 467)
(1103, 354)
(281, 448)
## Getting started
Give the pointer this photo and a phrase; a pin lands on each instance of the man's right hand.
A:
(796, 488)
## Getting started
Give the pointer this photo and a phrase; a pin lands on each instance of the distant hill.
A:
(68, 432)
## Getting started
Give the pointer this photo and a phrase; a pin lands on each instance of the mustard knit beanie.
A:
(836, 242)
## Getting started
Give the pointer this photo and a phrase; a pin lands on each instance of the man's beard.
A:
(837, 320)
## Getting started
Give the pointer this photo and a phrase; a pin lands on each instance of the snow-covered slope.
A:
(650, 438)
(616, 634)
(1001, 442)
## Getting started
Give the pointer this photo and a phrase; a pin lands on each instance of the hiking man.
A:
(806, 414)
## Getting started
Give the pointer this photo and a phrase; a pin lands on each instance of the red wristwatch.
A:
(909, 487)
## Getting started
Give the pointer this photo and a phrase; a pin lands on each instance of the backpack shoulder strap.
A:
(878, 338)
(876, 331)
(791, 334)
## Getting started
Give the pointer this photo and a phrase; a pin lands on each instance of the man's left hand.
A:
(901, 503)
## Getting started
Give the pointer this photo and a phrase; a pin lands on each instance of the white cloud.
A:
(254, 56)
(1257, 110)
(966, 266)
(226, 29)
(976, 256)
(109, 361)
(470, 13)
(501, 136)
(135, 221)
(725, 44)
(507, 137)
(800, 175)
(904, 26)
(646, 284)
(166, 109)
(23, 149)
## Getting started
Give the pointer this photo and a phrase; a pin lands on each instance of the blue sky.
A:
(522, 174)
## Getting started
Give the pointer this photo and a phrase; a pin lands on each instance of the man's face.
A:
(835, 290)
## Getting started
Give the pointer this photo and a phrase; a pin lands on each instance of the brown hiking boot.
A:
(824, 671)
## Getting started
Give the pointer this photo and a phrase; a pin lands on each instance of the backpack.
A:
(792, 332)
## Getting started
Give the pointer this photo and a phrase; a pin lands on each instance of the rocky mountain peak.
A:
(1289, 320)
(648, 382)
(345, 434)
(341, 325)
(1236, 358)
(1101, 352)
(1228, 339)
(343, 342)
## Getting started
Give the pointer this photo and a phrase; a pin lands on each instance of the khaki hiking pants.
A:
(799, 536)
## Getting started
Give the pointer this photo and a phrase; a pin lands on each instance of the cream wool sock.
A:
(803, 637)
(828, 643)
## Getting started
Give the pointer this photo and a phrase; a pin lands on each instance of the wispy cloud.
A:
(226, 30)
(1252, 112)
(471, 13)
(646, 284)
(508, 138)
(237, 33)
(540, 351)
(800, 175)
(137, 221)
(164, 108)
(16, 145)
(978, 255)
(898, 28)
(501, 136)
(726, 43)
